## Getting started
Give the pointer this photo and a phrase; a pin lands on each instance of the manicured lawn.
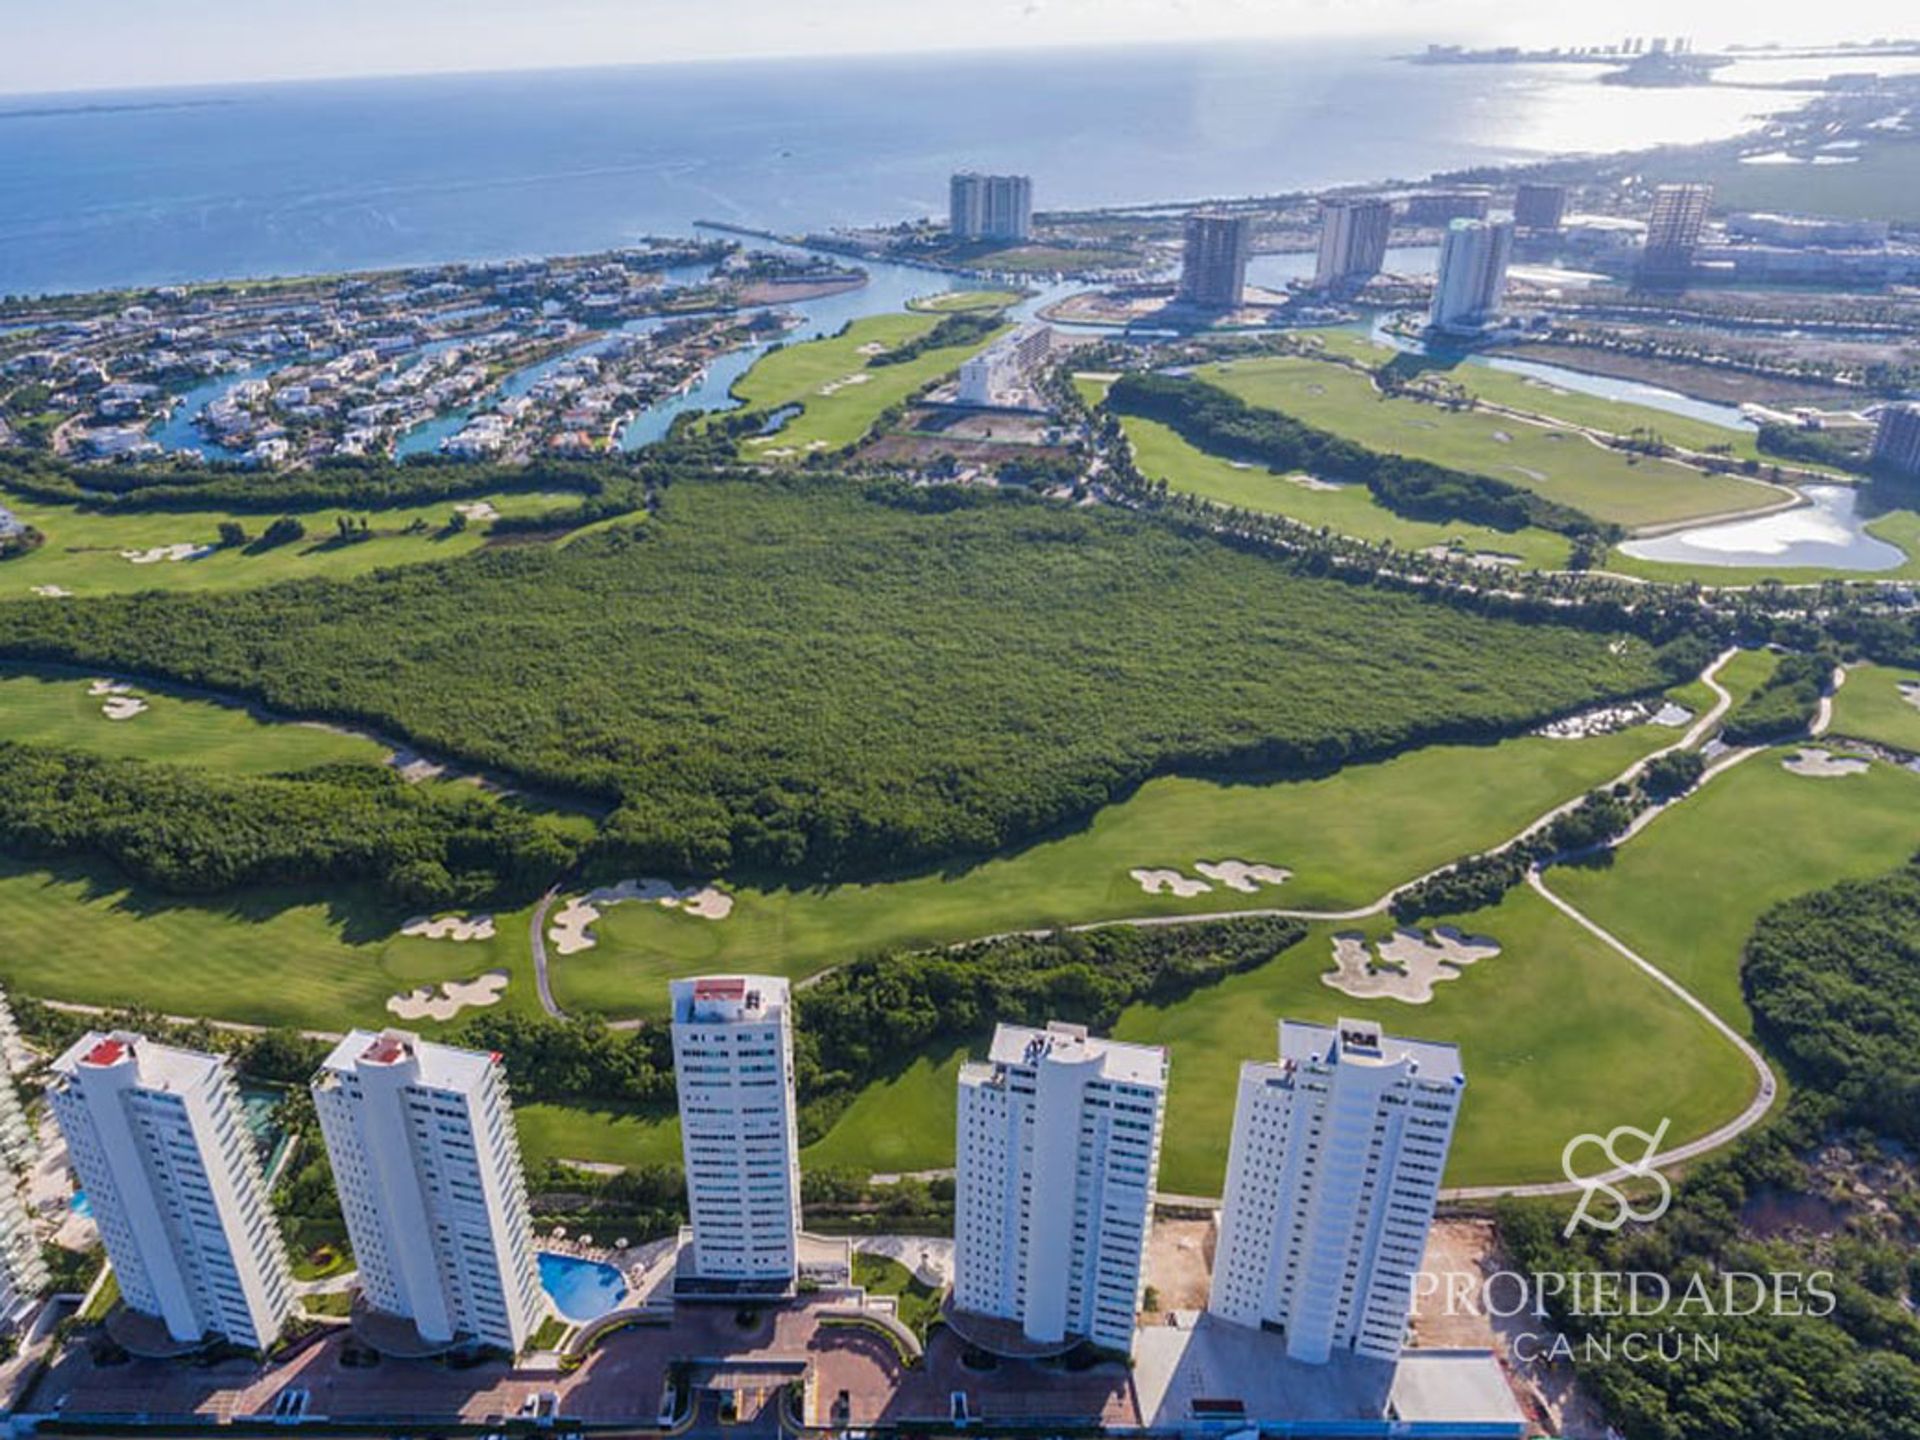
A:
(915, 1304)
(83, 548)
(839, 393)
(902, 1123)
(281, 956)
(608, 1136)
(1548, 1031)
(1347, 837)
(1686, 892)
(52, 708)
(1871, 707)
(1349, 510)
(949, 302)
(1559, 464)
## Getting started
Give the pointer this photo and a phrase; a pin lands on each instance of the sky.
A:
(59, 45)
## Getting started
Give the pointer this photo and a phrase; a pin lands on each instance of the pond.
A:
(1830, 533)
(581, 1289)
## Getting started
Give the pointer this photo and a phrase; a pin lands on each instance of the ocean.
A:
(147, 187)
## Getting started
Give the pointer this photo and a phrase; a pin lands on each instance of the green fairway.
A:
(1685, 892)
(279, 956)
(902, 1123)
(1547, 1030)
(1870, 706)
(83, 549)
(1559, 464)
(840, 395)
(1348, 838)
(50, 708)
(949, 302)
(599, 1136)
(1348, 509)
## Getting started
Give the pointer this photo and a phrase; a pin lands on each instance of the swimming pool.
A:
(581, 1289)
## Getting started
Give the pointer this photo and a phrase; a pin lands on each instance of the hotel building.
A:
(1001, 374)
(733, 1062)
(1353, 242)
(1057, 1153)
(1539, 208)
(1332, 1178)
(1213, 264)
(1674, 228)
(990, 207)
(1896, 439)
(1473, 275)
(427, 1164)
(157, 1139)
(23, 1274)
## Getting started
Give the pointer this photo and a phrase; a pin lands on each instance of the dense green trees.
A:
(1224, 424)
(1785, 705)
(1834, 982)
(807, 675)
(182, 830)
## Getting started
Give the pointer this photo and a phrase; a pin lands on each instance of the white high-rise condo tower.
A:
(1353, 242)
(427, 1163)
(23, 1273)
(1058, 1149)
(1473, 275)
(156, 1136)
(733, 1064)
(1331, 1182)
(990, 207)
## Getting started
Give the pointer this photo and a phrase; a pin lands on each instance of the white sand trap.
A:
(1671, 715)
(182, 551)
(1824, 764)
(450, 927)
(1537, 476)
(1503, 437)
(1241, 876)
(477, 510)
(1312, 482)
(98, 688)
(1169, 882)
(449, 998)
(570, 931)
(123, 707)
(832, 387)
(1910, 692)
(1409, 964)
(872, 347)
(52, 592)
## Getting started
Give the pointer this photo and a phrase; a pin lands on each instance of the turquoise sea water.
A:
(298, 178)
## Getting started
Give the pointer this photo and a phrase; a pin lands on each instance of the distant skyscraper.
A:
(1332, 1178)
(1353, 242)
(1674, 228)
(1538, 207)
(1057, 1153)
(1896, 440)
(733, 1063)
(427, 1163)
(23, 1274)
(1473, 275)
(1213, 266)
(158, 1141)
(990, 207)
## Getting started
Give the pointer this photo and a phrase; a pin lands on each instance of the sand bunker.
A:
(859, 377)
(1241, 876)
(448, 999)
(1671, 715)
(477, 510)
(1169, 882)
(117, 700)
(1824, 765)
(182, 551)
(1408, 964)
(450, 927)
(1910, 692)
(52, 592)
(570, 931)
(872, 347)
